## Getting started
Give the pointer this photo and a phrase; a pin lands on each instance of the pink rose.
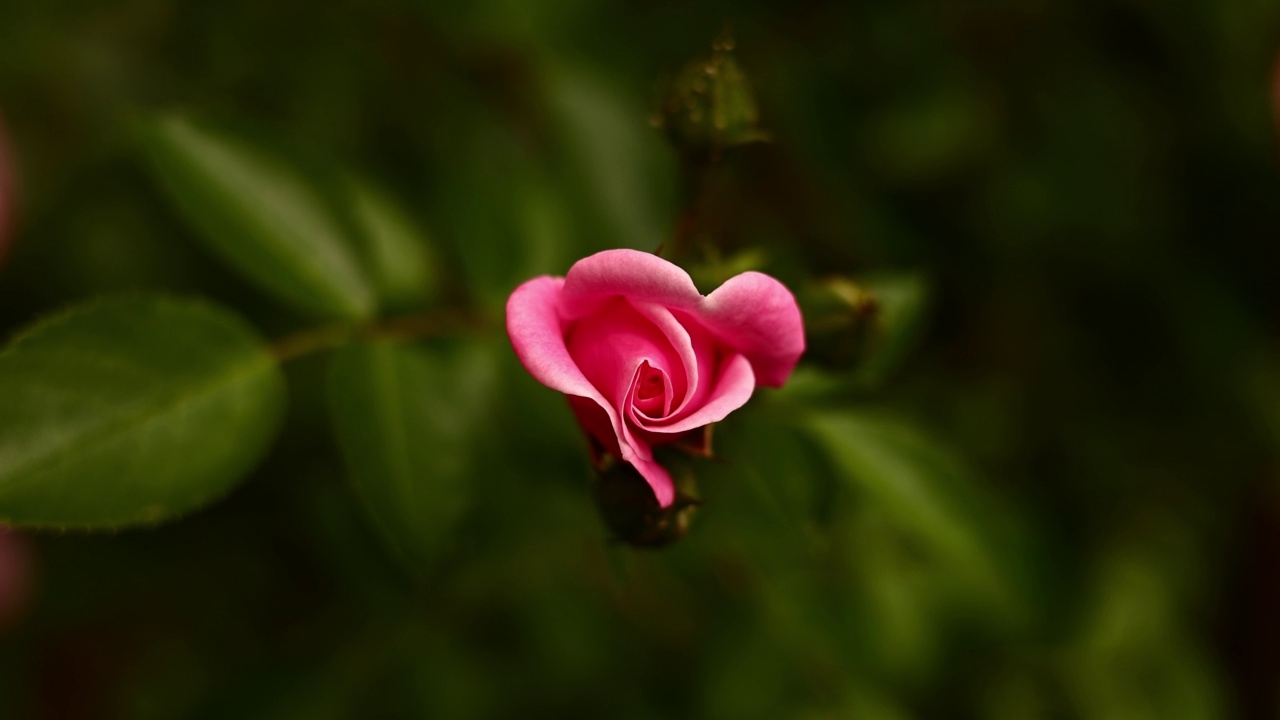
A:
(645, 358)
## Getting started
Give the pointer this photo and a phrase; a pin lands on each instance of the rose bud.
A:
(709, 105)
(645, 358)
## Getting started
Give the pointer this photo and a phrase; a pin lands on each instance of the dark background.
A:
(1089, 190)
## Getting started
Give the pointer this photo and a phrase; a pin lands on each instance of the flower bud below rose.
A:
(631, 512)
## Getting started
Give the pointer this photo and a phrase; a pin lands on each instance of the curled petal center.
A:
(651, 396)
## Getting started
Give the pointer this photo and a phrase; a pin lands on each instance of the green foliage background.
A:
(1039, 482)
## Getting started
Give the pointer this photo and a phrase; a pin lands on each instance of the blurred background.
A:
(1036, 477)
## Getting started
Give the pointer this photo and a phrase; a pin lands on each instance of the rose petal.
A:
(638, 276)
(613, 343)
(595, 419)
(659, 479)
(610, 347)
(537, 335)
(682, 341)
(752, 312)
(652, 395)
(759, 317)
(734, 384)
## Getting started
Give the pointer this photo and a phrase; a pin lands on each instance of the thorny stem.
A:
(404, 328)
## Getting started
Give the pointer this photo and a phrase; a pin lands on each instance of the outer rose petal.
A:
(637, 276)
(659, 479)
(537, 335)
(533, 324)
(759, 317)
(753, 313)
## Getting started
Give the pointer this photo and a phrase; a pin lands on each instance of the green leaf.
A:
(261, 217)
(922, 139)
(1136, 653)
(502, 233)
(898, 620)
(407, 419)
(620, 158)
(131, 411)
(928, 495)
(396, 252)
(772, 472)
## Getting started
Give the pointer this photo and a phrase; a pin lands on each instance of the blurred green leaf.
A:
(927, 494)
(131, 411)
(926, 137)
(396, 252)
(781, 484)
(865, 702)
(1015, 692)
(1133, 658)
(504, 215)
(617, 154)
(747, 657)
(408, 420)
(899, 622)
(261, 217)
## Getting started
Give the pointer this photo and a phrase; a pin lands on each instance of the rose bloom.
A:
(644, 357)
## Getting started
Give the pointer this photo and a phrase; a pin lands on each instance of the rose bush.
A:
(644, 357)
